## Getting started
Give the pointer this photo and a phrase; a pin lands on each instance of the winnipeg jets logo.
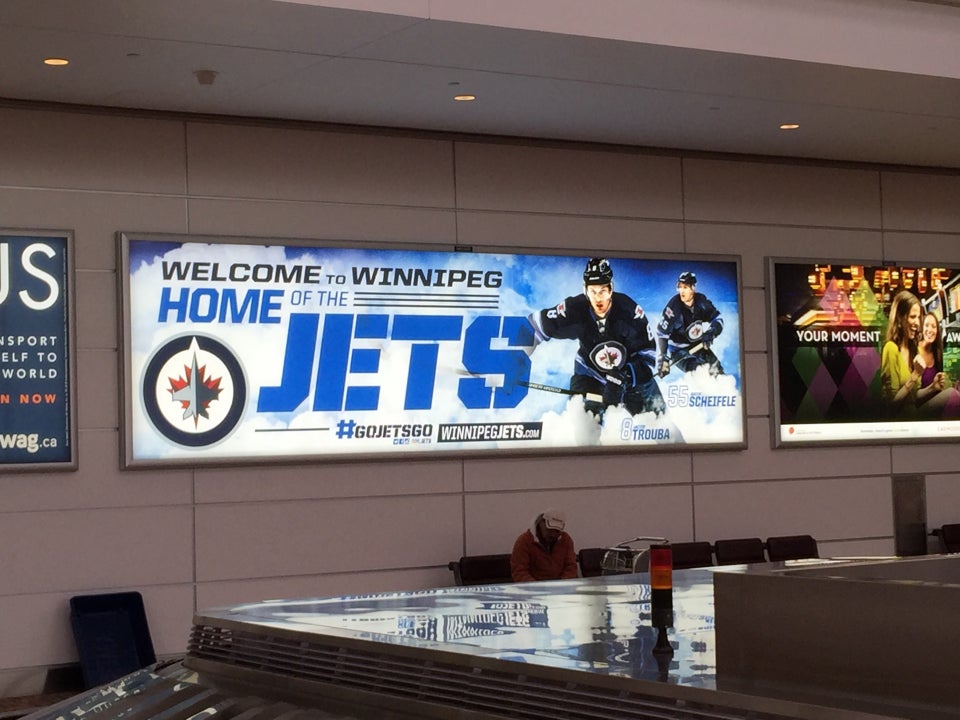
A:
(694, 331)
(638, 313)
(608, 355)
(194, 390)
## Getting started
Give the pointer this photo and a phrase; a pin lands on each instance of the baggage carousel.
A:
(582, 649)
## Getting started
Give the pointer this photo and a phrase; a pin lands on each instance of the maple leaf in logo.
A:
(195, 393)
(608, 357)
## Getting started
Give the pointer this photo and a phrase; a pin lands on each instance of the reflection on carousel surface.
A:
(581, 649)
(565, 623)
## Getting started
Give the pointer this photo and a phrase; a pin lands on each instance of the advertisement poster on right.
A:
(864, 353)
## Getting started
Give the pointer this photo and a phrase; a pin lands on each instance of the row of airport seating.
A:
(489, 569)
(733, 551)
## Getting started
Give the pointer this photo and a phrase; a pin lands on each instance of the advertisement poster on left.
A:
(239, 351)
(35, 403)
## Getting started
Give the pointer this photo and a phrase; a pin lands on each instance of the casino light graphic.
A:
(194, 390)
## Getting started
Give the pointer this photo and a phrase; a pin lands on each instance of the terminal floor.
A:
(13, 707)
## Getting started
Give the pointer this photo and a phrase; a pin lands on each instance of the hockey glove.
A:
(612, 394)
(706, 335)
(617, 383)
(663, 367)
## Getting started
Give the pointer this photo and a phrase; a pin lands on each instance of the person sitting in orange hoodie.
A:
(544, 551)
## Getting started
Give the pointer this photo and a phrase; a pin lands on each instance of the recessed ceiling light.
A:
(789, 126)
(56, 61)
(464, 98)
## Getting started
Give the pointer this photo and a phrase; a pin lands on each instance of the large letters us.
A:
(34, 346)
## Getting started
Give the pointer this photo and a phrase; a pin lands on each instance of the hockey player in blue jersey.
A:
(616, 356)
(688, 326)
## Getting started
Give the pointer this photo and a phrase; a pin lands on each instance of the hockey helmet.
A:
(687, 278)
(598, 272)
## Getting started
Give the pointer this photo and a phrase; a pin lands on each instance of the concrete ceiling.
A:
(855, 100)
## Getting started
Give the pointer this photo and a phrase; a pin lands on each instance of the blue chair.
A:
(112, 635)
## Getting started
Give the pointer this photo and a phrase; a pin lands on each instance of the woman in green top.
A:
(899, 371)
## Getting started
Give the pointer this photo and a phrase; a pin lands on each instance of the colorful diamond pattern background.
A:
(831, 382)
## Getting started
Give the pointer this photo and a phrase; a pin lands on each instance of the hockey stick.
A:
(673, 357)
(537, 386)
(562, 391)
(692, 350)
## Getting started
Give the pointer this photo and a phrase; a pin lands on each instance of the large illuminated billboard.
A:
(37, 416)
(243, 351)
(864, 353)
